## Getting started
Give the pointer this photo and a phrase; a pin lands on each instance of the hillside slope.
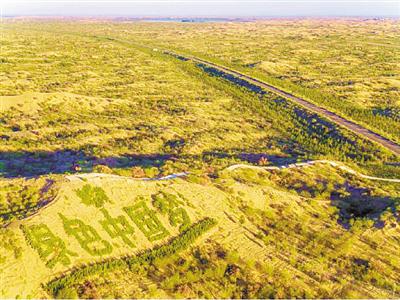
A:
(313, 241)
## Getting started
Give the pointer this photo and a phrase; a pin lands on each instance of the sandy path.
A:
(239, 166)
(313, 162)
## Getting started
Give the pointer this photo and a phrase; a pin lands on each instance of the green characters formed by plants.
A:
(93, 195)
(146, 220)
(170, 204)
(118, 227)
(51, 249)
(87, 236)
(9, 242)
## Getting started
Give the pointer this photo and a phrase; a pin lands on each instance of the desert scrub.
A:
(360, 84)
(236, 119)
(22, 198)
(9, 243)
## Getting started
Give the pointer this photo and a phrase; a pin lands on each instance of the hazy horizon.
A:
(201, 9)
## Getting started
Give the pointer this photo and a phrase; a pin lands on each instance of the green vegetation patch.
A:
(23, 197)
(118, 227)
(87, 236)
(51, 249)
(147, 221)
(93, 195)
(169, 204)
(9, 243)
(177, 244)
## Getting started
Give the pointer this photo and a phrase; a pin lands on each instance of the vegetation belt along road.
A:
(333, 117)
(356, 128)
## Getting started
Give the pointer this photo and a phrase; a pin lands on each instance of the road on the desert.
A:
(333, 117)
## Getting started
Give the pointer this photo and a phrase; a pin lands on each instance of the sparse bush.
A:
(138, 172)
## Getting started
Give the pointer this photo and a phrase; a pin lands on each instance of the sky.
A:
(201, 8)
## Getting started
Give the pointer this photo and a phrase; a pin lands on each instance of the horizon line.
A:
(196, 16)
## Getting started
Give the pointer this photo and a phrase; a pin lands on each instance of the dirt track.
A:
(333, 117)
(332, 163)
(310, 163)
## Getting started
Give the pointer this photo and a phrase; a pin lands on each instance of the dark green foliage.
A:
(308, 131)
(147, 221)
(169, 204)
(175, 245)
(51, 249)
(92, 195)
(87, 236)
(117, 227)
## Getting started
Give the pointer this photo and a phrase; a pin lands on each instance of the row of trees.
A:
(308, 132)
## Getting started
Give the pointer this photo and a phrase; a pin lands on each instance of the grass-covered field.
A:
(83, 97)
(348, 65)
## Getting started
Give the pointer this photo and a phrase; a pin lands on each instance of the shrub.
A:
(138, 172)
